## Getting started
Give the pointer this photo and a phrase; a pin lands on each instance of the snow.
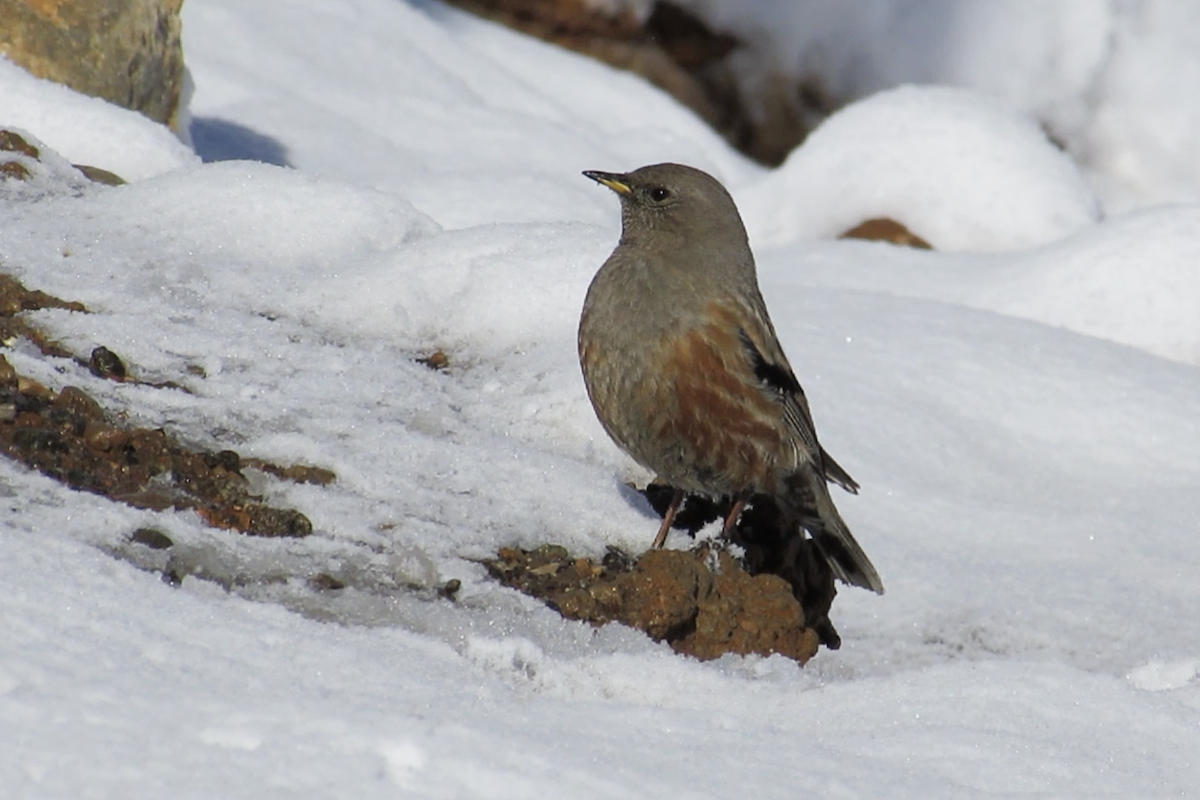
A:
(1018, 405)
(428, 78)
(88, 130)
(962, 172)
(1109, 80)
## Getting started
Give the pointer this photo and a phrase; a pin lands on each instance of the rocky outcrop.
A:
(125, 51)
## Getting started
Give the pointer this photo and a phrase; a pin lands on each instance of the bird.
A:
(686, 374)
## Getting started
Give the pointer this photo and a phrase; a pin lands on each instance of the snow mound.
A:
(439, 78)
(1131, 280)
(250, 211)
(956, 168)
(88, 130)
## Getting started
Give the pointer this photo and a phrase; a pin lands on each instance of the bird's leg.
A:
(668, 518)
(731, 520)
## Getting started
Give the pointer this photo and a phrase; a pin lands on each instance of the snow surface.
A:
(1113, 81)
(962, 172)
(88, 130)
(1022, 420)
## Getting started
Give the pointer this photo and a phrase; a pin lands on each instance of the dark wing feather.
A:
(780, 381)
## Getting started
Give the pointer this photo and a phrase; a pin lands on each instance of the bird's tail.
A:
(806, 498)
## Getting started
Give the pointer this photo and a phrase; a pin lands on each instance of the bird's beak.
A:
(610, 179)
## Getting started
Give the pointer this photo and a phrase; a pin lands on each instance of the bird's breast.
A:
(683, 402)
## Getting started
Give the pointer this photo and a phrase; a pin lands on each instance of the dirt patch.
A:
(775, 597)
(702, 603)
(770, 546)
(15, 298)
(68, 436)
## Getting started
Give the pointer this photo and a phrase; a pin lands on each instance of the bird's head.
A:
(673, 200)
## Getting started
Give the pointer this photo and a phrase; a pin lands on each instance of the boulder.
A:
(127, 52)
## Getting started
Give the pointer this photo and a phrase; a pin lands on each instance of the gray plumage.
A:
(684, 369)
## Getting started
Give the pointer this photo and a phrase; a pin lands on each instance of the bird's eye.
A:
(658, 194)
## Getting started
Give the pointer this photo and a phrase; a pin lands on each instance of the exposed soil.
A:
(775, 598)
(702, 605)
(769, 547)
(68, 436)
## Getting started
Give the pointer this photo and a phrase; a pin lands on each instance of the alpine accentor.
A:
(684, 369)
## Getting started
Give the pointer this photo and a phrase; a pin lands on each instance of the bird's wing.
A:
(835, 473)
(775, 377)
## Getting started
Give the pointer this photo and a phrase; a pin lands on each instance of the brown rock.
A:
(772, 546)
(297, 473)
(14, 298)
(79, 403)
(672, 595)
(125, 51)
(104, 437)
(661, 595)
(97, 175)
(28, 386)
(13, 142)
(8, 375)
(437, 361)
(883, 229)
(152, 538)
(15, 170)
(745, 614)
(104, 363)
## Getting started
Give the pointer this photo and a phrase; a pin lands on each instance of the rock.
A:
(13, 142)
(78, 402)
(14, 298)
(437, 361)
(104, 363)
(10, 166)
(297, 473)
(882, 229)
(675, 596)
(745, 614)
(125, 51)
(771, 547)
(324, 582)
(152, 538)
(15, 170)
(660, 596)
(8, 375)
(98, 175)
